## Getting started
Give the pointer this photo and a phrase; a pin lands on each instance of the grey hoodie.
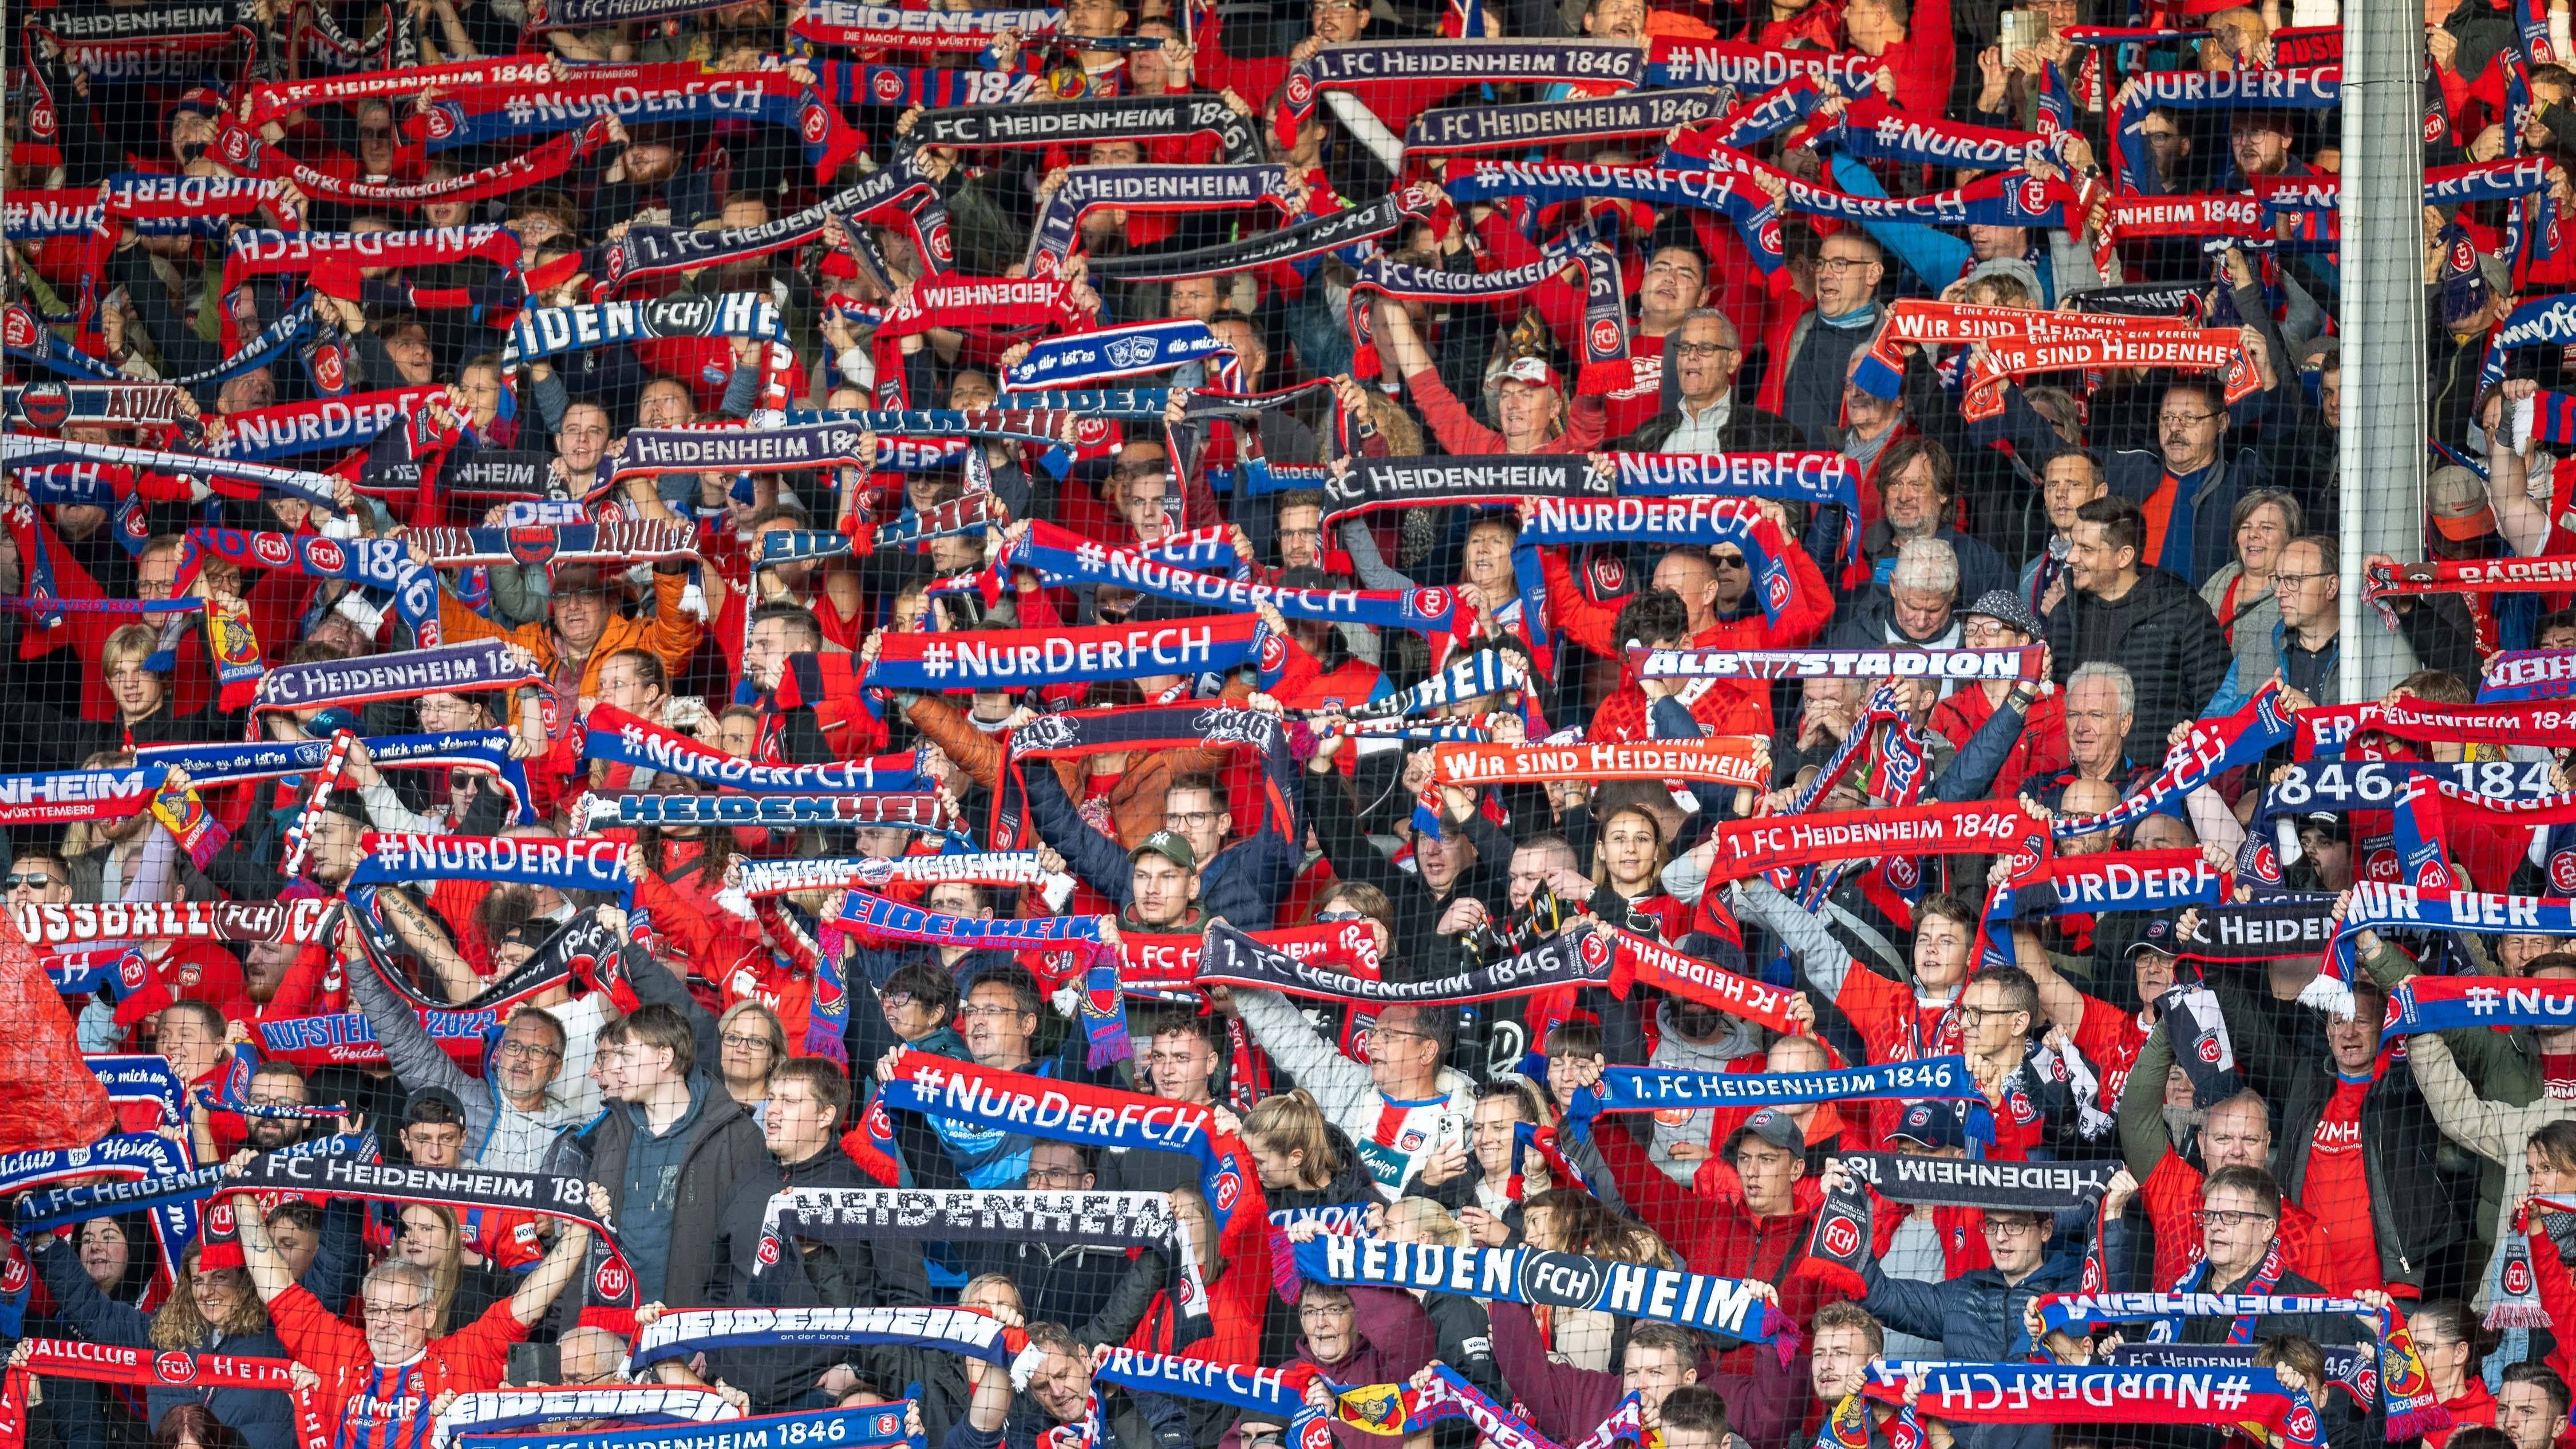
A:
(1673, 1050)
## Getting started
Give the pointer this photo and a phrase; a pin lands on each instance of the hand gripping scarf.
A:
(676, 92)
(1960, 665)
(622, 738)
(1456, 61)
(147, 1368)
(1145, 729)
(1748, 847)
(878, 916)
(449, 669)
(1233, 958)
(2036, 1393)
(1695, 521)
(1313, 237)
(2213, 747)
(325, 424)
(1638, 961)
(1076, 123)
(1401, 1409)
(1153, 962)
(380, 563)
(1071, 1112)
(684, 1332)
(240, 148)
(876, 1426)
(1432, 611)
(739, 450)
(1147, 189)
(1452, 130)
(654, 251)
(1012, 659)
(1084, 1219)
(1556, 1280)
(1440, 482)
(396, 858)
(499, 1410)
(486, 751)
(62, 1206)
(1722, 760)
(272, 101)
(614, 545)
(1660, 1089)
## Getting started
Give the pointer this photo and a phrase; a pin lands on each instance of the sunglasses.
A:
(35, 882)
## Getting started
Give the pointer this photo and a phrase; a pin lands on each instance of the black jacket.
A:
(2162, 632)
(724, 1148)
(1748, 430)
(838, 1274)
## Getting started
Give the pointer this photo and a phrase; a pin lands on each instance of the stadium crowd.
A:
(1514, 723)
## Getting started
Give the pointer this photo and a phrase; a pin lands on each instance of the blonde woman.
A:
(1301, 1159)
(463, 1284)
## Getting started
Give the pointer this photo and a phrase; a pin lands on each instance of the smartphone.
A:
(2017, 30)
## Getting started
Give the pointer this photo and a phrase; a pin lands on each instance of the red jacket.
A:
(1725, 708)
(2040, 751)
(368, 1406)
(1734, 1242)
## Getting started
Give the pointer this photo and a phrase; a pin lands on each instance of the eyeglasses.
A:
(2009, 1227)
(2279, 579)
(1322, 916)
(1057, 1176)
(1836, 266)
(387, 1312)
(1286, 534)
(897, 999)
(1704, 349)
(1323, 1310)
(2222, 1218)
(1376, 1033)
(35, 882)
(529, 1051)
(744, 1041)
(1191, 820)
(989, 1009)
(2181, 419)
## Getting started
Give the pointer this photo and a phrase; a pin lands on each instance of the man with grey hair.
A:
(1702, 357)
(1917, 609)
(2101, 714)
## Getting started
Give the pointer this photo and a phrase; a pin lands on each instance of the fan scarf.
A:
(61, 1206)
(2473, 576)
(2518, 675)
(1472, 676)
(1399, 1409)
(148, 1368)
(877, 27)
(395, 858)
(609, 1288)
(1455, 61)
(1556, 1280)
(18, 452)
(920, 810)
(1152, 962)
(615, 545)
(185, 26)
(1440, 482)
(2353, 1370)
(2450, 1003)
(1723, 760)
(1693, 521)
(2084, 1312)
(1113, 352)
(2133, 342)
(139, 1079)
(1948, 664)
(1432, 611)
(876, 1426)
(551, 331)
(2129, 880)
(2274, 929)
(2536, 723)
(495, 1411)
(1080, 123)
(626, 739)
(1454, 129)
(326, 424)
(1876, 131)
(1012, 659)
(486, 751)
(2346, 785)
(654, 251)
(2031, 1187)
(1638, 961)
(1313, 237)
(349, 1039)
(98, 404)
(739, 450)
(684, 1332)
(1009, 870)
(581, 947)
(1071, 1112)
(1274, 1394)
(125, 1155)
(1234, 958)
(1086, 1219)
(381, 563)
(2213, 747)
(2037, 1393)
(254, 252)
(666, 93)
(271, 101)
(1748, 847)
(1814, 479)
(1677, 1089)
(1147, 189)
(242, 149)
(967, 513)
(1678, 60)
(878, 916)
(449, 669)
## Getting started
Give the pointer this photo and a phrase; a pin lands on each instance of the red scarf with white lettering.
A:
(148, 1369)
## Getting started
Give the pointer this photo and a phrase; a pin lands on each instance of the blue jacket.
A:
(1976, 1316)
